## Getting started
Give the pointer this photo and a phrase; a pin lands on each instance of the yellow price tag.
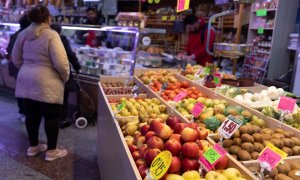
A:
(164, 18)
(276, 150)
(173, 18)
(160, 164)
(271, 155)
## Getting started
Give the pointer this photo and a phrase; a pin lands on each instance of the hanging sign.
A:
(229, 126)
(271, 155)
(212, 156)
(182, 5)
(286, 104)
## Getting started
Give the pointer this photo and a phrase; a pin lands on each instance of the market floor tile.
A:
(80, 163)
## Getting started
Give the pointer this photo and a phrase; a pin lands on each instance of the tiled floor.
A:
(80, 163)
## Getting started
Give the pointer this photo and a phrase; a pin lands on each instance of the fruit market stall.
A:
(134, 140)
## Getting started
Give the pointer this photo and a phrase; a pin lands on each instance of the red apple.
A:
(222, 164)
(189, 164)
(140, 162)
(149, 135)
(164, 131)
(173, 146)
(193, 125)
(154, 124)
(203, 144)
(143, 170)
(190, 150)
(179, 127)
(150, 155)
(132, 148)
(189, 134)
(172, 121)
(136, 136)
(203, 132)
(143, 149)
(176, 137)
(175, 165)
(144, 129)
(155, 143)
(136, 155)
(141, 140)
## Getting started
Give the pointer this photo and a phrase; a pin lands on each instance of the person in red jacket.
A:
(196, 47)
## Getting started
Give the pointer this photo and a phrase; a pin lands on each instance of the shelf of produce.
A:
(114, 158)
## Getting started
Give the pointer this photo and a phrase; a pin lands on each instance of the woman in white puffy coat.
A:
(44, 69)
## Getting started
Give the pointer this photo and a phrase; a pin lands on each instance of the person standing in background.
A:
(13, 71)
(71, 84)
(196, 47)
(44, 70)
(92, 17)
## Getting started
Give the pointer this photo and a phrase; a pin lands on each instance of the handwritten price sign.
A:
(120, 106)
(287, 104)
(212, 156)
(198, 108)
(182, 5)
(180, 96)
(160, 164)
(217, 79)
(271, 155)
(229, 126)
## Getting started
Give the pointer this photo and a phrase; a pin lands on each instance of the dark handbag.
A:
(12, 69)
(71, 84)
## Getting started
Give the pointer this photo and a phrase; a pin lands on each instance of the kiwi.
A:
(288, 142)
(279, 130)
(283, 168)
(292, 174)
(248, 147)
(234, 156)
(254, 155)
(272, 173)
(234, 149)
(257, 137)
(244, 129)
(288, 134)
(216, 138)
(227, 143)
(267, 142)
(250, 129)
(296, 150)
(277, 142)
(237, 141)
(266, 131)
(236, 134)
(244, 155)
(247, 138)
(255, 128)
(296, 140)
(282, 177)
(254, 169)
(295, 164)
(258, 147)
(266, 137)
(287, 150)
(278, 136)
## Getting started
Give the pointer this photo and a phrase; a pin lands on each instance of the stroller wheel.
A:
(81, 122)
(75, 115)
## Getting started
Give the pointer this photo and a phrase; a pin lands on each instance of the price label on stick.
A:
(212, 156)
(271, 155)
(164, 18)
(206, 71)
(197, 109)
(120, 106)
(287, 104)
(180, 96)
(229, 126)
(261, 12)
(217, 79)
(260, 30)
(160, 165)
(182, 5)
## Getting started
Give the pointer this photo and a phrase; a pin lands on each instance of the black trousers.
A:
(64, 109)
(20, 105)
(34, 111)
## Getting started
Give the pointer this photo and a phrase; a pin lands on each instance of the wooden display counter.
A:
(114, 158)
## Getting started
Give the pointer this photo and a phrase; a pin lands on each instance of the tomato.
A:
(172, 96)
(200, 94)
(190, 92)
(185, 84)
(194, 96)
(176, 91)
(167, 92)
(193, 88)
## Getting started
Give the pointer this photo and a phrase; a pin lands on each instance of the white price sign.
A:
(229, 126)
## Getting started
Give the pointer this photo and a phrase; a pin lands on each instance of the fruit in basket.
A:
(189, 164)
(213, 175)
(174, 177)
(150, 155)
(191, 175)
(232, 174)
(155, 143)
(175, 165)
(190, 150)
(164, 131)
(189, 134)
(212, 123)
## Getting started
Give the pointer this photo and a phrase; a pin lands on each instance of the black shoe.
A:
(64, 124)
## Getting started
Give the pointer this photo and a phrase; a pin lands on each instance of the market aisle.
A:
(81, 163)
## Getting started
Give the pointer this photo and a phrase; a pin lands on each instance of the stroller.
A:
(86, 110)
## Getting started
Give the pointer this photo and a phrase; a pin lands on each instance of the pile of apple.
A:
(162, 76)
(186, 142)
(227, 174)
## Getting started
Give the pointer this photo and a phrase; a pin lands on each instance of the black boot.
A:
(64, 124)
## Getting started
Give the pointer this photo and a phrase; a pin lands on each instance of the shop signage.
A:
(229, 126)
(271, 155)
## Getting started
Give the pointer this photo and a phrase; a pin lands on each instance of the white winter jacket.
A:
(43, 63)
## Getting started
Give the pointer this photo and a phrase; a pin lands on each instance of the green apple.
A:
(201, 100)
(232, 173)
(174, 177)
(191, 175)
(212, 175)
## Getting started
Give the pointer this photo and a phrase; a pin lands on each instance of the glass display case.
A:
(105, 50)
